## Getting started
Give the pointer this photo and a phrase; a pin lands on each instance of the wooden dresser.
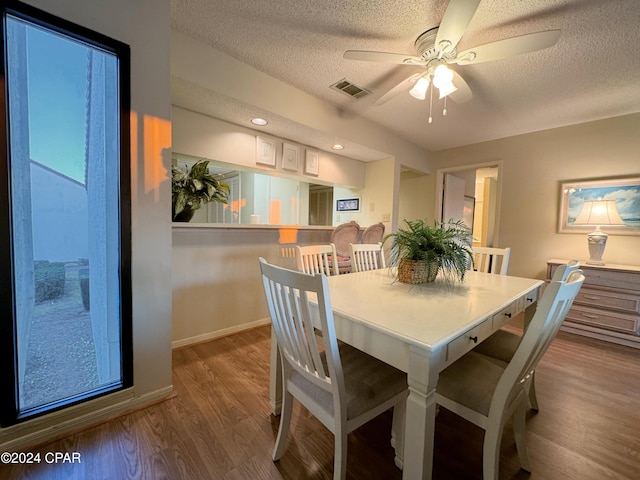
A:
(608, 304)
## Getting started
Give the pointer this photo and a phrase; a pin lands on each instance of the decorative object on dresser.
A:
(599, 213)
(608, 306)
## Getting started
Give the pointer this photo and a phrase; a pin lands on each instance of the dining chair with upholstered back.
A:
(341, 237)
(491, 259)
(340, 385)
(503, 344)
(488, 392)
(366, 256)
(312, 259)
(373, 233)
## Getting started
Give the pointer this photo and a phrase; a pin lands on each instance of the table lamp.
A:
(599, 213)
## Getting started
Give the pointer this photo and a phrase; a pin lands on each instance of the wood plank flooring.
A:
(218, 426)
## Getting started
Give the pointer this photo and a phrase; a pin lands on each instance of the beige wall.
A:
(533, 167)
(199, 135)
(144, 25)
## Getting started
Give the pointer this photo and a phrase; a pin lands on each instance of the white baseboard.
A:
(205, 337)
(58, 424)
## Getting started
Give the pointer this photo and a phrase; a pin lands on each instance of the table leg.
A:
(275, 378)
(420, 416)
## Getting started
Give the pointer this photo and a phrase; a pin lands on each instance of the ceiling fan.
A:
(436, 50)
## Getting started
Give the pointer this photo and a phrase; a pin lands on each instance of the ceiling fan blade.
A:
(463, 93)
(405, 84)
(509, 47)
(454, 23)
(366, 56)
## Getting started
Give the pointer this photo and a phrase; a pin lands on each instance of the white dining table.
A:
(419, 329)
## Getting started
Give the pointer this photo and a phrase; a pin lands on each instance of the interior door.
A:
(452, 198)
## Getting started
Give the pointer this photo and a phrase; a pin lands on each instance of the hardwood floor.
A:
(218, 425)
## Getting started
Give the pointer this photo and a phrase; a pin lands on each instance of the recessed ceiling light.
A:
(259, 121)
(337, 146)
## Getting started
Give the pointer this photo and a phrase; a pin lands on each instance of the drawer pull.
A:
(508, 315)
(529, 299)
(594, 317)
(475, 339)
(591, 297)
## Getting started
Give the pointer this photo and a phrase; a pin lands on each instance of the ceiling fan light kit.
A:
(436, 51)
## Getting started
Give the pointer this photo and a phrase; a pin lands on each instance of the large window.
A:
(64, 214)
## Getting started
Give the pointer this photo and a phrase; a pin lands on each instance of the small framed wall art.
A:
(348, 205)
(266, 151)
(312, 163)
(290, 154)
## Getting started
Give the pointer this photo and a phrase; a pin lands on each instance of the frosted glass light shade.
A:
(442, 76)
(419, 90)
(447, 89)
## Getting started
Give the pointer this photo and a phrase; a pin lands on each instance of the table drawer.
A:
(617, 301)
(469, 339)
(500, 318)
(604, 318)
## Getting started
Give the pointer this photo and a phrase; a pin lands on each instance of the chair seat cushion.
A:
(471, 381)
(501, 345)
(368, 382)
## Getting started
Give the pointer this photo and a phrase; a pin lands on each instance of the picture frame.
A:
(348, 204)
(624, 190)
(290, 154)
(312, 163)
(266, 151)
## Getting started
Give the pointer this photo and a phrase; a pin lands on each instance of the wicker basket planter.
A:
(414, 271)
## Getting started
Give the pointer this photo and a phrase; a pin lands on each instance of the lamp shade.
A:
(599, 212)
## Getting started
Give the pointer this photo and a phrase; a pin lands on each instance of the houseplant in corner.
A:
(420, 251)
(192, 187)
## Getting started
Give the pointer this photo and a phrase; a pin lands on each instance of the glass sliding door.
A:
(66, 328)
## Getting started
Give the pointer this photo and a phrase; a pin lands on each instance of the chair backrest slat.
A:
(491, 259)
(313, 259)
(364, 257)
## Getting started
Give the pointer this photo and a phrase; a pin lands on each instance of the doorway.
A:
(471, 193)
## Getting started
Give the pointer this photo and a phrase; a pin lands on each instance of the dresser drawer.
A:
(604, 318)
(613, 300)
(465, 342)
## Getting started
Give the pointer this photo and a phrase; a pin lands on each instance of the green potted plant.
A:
(193, 187)
(420, 251)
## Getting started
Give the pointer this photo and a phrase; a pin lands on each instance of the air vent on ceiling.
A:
(348, 88)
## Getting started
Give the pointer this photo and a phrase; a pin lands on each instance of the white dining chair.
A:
(366, 256)
(312, 259)
(503, 344)
(491, 259)
(342, 386)
(488, 392)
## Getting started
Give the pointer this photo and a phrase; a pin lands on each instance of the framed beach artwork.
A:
(624, 191)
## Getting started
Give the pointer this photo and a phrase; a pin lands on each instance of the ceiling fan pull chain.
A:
(430, 101)
(444, 111)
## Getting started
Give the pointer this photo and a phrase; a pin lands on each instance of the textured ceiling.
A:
(590, 74)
